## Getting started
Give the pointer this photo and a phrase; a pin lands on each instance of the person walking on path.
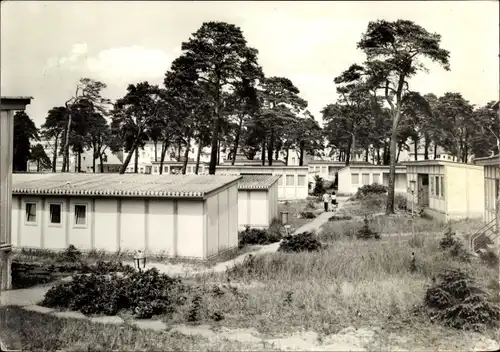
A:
(334, 200)
(326, 200)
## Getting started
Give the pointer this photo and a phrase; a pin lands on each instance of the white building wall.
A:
(174, 227)
(491, 185)
(465, 190)
(351, 178)
(291, 186)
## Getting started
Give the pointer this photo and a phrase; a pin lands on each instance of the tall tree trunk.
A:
(263, 156)
(378, 156)
(198, 156)
(435, 150)
(215, 131)
(186, 155)
(218, 152)
(156, 150)
(392, 173)
(37, 165)
(164, 147)
(427, 142)
(65, 163)
(348, 153)
(79, 154)
(128, 158)
(415, 146)
(277, 154)
(179, 147)
(301, 153)
(136, 160)
(93, 157)
(399, 152)
(237, 140)
(54, 156)
(366, 155)
(287, 155)
(101, 163)
(270, 147)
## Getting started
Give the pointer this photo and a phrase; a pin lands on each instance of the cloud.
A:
(128, 64)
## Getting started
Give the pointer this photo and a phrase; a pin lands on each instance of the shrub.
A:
(319, 189)
(400, 202)
(70, 254)
(370, 189)
(310, 205)
(307, 215)
(366, 233)
(144, 293)
(455, 247)
(457, 301)
(302, 242)
(252, 236)
(339, 218)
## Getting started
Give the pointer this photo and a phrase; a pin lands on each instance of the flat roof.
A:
(180, 163)
(488, 160)
(257, 181)
(260, 167)
(432, 162)
(14, 102)
(119, 185)
(364, 166)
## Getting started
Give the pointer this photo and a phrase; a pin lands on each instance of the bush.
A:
(400, 202)
(366, 233)
(310, 206)
(455, 247)
(370, 189)
(143, 293)
(457, 301)
(252, 236)
(302, 242)
(307, 215)
(70, 254)
(319, 189)
(339, 218)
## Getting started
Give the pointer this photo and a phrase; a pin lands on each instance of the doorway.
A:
(423, 190)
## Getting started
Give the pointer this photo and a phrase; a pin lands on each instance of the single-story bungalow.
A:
(326, 169)
(292, 184)
(175, 167)
(193, 216)
(491, 185)
(447, 190)
(355, 176)
(257, 200)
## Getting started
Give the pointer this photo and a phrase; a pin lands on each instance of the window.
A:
(324, 169)
(80, 214)
(301, 180)
(497, 190)
(442, 186)
(280, 181)
(31, 212)
(355, 179)
(366, 179)
(432, 185)
(376, 178)
(55, 213)
(293, 161)
(155, 169)
(189, 169)
(165, 169)
(437, 185)
(290, 180)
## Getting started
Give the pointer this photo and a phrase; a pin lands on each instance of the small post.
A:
(284, 221)
(139, 259)
(412, 189)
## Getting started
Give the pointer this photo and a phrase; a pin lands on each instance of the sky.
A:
(46, 47)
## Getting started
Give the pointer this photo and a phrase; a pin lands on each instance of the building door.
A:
(423, 190)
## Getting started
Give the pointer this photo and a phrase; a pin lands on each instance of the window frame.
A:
(55, 224)
(363, 179)
(75, 225)
(303, 178)
(378, 178)
(286, 180)
(26, 222)
(357, 178)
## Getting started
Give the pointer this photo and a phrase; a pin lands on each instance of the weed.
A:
(366, 233)
(307, 215)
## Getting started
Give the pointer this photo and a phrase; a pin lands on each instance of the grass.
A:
(294, 208)
(31, 331)
(350, 283)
